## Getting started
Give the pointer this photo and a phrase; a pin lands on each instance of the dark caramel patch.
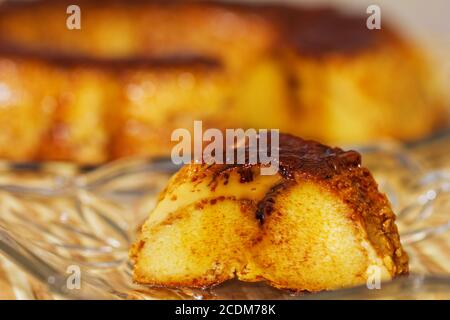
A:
(266, 205)
(296, 155)
(65, 60)
(320, 31)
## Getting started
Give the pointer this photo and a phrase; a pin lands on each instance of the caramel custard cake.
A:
(319, 224)
(137, 70)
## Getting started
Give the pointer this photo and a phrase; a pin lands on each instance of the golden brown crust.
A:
(360, 191)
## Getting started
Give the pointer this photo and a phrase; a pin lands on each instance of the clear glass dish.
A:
(57, 222)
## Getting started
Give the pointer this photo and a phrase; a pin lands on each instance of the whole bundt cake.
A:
(136, 70)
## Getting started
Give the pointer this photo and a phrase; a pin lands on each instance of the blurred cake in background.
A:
(138, 70)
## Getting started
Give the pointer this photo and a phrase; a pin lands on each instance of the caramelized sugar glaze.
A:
(137, 70)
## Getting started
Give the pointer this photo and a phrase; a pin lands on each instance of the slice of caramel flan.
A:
(320, 223)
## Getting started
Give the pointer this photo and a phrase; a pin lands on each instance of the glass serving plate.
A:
(58, 220)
